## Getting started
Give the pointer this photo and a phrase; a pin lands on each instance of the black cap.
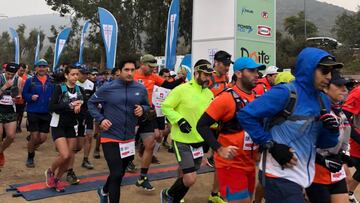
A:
(84, 70)
(94, 71)
(330, 61)
(224, 57)
(338, 79)
(12, 67)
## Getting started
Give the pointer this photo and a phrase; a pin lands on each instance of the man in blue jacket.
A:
(123, 101)
(291, 138)
(36, 93)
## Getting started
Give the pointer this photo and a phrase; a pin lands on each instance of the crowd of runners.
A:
(286, 137)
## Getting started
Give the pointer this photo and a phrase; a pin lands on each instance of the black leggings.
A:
(117, 168)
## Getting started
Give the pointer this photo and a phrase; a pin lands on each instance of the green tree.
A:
(295, 25)
(347, 27)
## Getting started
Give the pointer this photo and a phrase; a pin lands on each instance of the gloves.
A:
(329, 122)
(332, 162)
(184, 126)
(281, 153)
(346, 159)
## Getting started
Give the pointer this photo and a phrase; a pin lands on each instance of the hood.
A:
(306, 63)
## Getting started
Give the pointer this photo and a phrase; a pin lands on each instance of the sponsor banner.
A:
(171, 35)
(82, 41)
(17, 45)
(59, 45)
(37, 49)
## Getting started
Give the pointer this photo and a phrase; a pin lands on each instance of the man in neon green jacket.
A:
(183, 108)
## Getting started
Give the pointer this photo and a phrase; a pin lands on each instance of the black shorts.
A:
(146, 129)
(321, 193)
(39, 122)
(89, 122)
(160, 122)
(66, 132)
(20, 108)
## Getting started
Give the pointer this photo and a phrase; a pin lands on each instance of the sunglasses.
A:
(325, 70)
(204, 67)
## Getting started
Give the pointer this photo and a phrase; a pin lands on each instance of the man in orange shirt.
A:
(235, 156)
(265, 83)
(219, 79)
(148, 130)
(19, 102)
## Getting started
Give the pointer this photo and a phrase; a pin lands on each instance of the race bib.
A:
(158, 97)
(248, 143)
(54, 120)
(7, 100)
(197, 152)
(127, 149)
(335, 177)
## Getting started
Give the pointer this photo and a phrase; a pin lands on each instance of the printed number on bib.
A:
(335, 177)
(127, 149)
(197, 152)
(248, 143)
(6, 100)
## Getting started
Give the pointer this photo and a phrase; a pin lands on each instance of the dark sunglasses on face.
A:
(325, 69)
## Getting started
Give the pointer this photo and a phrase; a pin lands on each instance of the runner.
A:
(118, 121)
(219, 81)
(291, 139)
(148, 130)
(66, 105)
(183, 107)
(86, 124)
(20, 103)
(265, 83)
(352, 109)
(9, 91)
(37, 93)
(329, 185)
(236, 153)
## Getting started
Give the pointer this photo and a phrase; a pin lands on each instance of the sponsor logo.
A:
(246, 11)
(244, 28)
(258, 56)
(263, 30)
(265, 14)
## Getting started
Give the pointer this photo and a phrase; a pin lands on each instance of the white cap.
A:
(271, 70)
(172, 73)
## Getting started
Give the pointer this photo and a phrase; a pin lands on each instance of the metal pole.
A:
(305, 31)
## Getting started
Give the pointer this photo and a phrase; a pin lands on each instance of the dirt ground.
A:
(15, 172)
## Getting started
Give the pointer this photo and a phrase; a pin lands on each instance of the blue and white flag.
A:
(37, 49)
(109, 32)
(60, 44)
(17, 45)
(186, 63)
(82, 39)
(171, 35)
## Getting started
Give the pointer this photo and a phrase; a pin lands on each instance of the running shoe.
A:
(144, 183)
(30, 162)
(131, 168)
(49, 178)
(86, 164)
(102, 196)
(155, 160)
(59, 186)
(216, 199)
(164, 197)
(96, 154)
(210, 161)
(71, 178)
(352, 199)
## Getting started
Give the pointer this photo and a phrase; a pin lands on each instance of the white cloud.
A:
(13, 8)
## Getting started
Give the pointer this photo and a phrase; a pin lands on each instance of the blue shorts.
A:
(280, 190)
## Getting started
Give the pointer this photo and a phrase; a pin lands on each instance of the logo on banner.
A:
(245, 28)
(265, 14)
(108, 30)
(212, 55)
(82, 39)
(259, 56)
(172, 27)
(264, 31)
(246, 11)
(61, 46)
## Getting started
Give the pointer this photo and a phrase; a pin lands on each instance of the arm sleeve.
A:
(266, 106)
(173, 84)
(145, 101)
(95, 99)
(26, 91)
(203, 127)
(170, 103)
(54, 104)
